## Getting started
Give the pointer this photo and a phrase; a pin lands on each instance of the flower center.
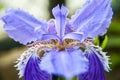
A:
(50, 44)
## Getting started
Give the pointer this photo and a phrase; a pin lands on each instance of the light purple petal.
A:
(93, 19)
(33, 71)
(68, 63)
(68, 27)
(96, 69)
(60, 15)
(106, 22)
(49, 36)
(74, 35)
(22, 26)
(51, 29)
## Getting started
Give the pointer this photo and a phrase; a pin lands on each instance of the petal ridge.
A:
(60, 15)
(96, 69)
(65, 63)
(93, 19)
(21, 26)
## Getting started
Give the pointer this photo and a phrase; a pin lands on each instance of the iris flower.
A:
(61, 46)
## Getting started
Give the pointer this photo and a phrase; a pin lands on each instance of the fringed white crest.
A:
(33, 49)
(22, 61)
(102, 56)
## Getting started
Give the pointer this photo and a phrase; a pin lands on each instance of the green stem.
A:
(55, 77)
(69, 79)
(74, 78)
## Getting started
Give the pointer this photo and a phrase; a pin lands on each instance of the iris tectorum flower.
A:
(61, 46)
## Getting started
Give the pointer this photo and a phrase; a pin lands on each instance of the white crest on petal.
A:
(101, 55)
(33, 49)
(22, 61)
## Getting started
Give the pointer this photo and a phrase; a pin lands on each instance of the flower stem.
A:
(69, 79)
(54, 77)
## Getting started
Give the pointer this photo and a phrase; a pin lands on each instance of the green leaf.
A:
(104, 43)
(96, 41)
(101, 41)
(61, 78)
(74, 78)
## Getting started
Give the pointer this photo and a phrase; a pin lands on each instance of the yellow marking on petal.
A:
(60, 46)
(41, 53)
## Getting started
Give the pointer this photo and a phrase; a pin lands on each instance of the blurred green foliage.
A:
(1, 5)
(115, 27)
(8, 43)
(116, 7)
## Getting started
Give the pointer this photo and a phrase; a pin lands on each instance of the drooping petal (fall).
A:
(22, 26)
(93, 19)
(96, 67)
(23, 60)
(28, 66)
(33, 71)
(68, 63)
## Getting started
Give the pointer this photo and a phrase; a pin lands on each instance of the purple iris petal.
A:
(66, 63)
(93, 18)
(96, 69)
(60, 15)
(51, 29)
(33, 71)
(74, 35)
(23, 27)
(106, 21)
(68, 27)
(49, 36)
